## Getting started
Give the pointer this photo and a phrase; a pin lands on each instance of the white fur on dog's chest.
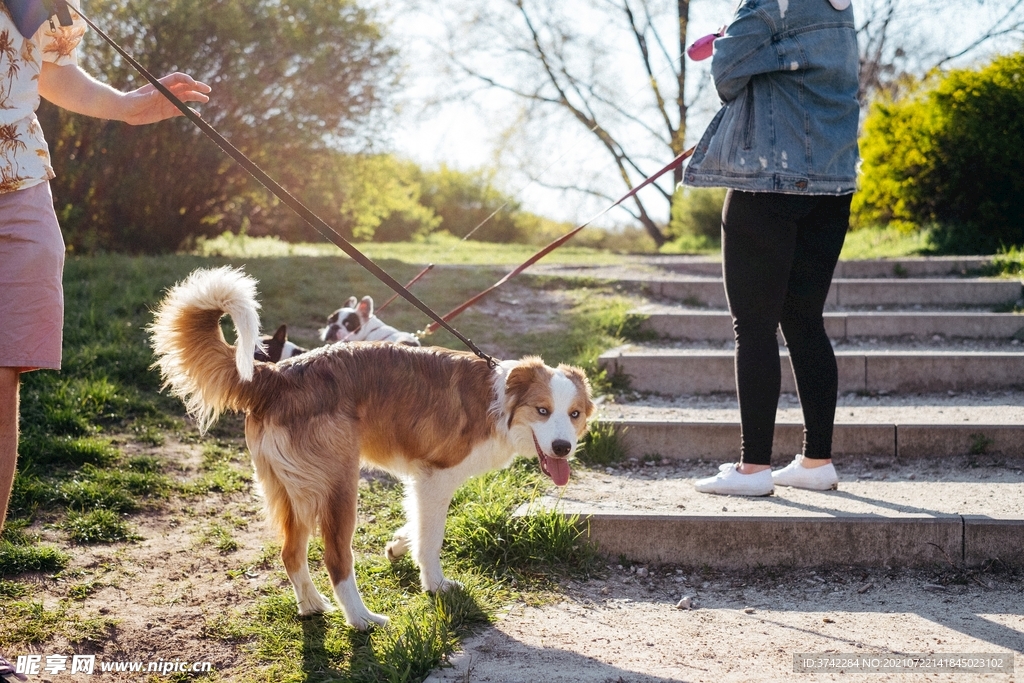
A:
(495, 453)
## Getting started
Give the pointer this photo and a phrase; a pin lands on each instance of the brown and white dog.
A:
(433, 417)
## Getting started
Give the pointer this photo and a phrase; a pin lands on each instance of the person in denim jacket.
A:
(785, 144)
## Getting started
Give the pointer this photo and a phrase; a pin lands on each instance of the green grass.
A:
(28, 621)
(885, 242)
(18, 559)
(1008, 262)
(97, 526)
(597, 321)
(224, 469)
(441, 249)
(601, 446)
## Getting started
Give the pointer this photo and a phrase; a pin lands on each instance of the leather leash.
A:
(560, 241)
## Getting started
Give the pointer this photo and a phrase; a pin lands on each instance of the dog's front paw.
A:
(367, 621)
(318, 603)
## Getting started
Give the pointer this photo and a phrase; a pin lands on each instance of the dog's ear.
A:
(365, 307)
(350, 302)
(518, 383)
(281, 336)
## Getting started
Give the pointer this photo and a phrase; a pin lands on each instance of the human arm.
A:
(71, 88)
(745, 50)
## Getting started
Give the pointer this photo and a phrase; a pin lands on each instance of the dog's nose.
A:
(561, 447)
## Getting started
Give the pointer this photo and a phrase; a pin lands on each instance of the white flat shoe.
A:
(794, 474)
(731, 482)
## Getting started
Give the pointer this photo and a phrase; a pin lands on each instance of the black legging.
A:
(780, 251)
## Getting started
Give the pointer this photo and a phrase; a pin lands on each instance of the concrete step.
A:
(951, 292)
(925, 513)
(719, 441)
(676, 323)
(711, 266)
(688, 371)
(892, 427)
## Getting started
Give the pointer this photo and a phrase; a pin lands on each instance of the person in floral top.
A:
(31, 246)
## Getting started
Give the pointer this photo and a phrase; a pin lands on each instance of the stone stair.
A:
(930, 425)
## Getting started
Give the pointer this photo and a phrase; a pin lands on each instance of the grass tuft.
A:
(601, 446)
(97, 526)
(538, 546)
(18, 558)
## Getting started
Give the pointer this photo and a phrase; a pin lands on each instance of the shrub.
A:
(946, 154)
(696, 222)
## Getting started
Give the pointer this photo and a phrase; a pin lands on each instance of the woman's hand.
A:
(71, 88)
(148, 105)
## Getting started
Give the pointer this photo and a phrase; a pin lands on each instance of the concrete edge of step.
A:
(740, 542)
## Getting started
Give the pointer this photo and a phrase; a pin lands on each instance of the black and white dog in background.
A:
(276, 347)
(355, 321)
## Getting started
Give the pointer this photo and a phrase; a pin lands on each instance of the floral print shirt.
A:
(24, 156)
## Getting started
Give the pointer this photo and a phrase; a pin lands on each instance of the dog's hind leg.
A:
(296, 563)
(427, 498)
(295, 531)
(338, 524)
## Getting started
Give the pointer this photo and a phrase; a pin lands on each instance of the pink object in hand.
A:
(703, 47)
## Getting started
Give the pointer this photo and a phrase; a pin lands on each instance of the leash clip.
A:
(60, 8)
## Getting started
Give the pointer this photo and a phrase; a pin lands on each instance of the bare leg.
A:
(9, 384)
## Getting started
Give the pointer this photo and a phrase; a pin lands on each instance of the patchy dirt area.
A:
(512, 311)
(156, 598)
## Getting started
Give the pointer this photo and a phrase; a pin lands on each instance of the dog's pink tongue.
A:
(558, 468)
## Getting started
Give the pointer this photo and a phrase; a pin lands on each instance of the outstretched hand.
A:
(148, 105)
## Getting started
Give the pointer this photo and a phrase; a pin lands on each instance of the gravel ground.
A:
(624, 626)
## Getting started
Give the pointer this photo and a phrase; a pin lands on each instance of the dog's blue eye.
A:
(574, 414)
(543, 411)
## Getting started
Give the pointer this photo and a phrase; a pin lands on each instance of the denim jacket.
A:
(786, 71)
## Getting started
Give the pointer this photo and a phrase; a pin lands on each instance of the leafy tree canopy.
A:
(294, 82)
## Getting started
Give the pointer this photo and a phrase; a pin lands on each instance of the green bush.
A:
(696, 223)
(946, 155)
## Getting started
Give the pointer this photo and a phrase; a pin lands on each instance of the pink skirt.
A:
(31, 268)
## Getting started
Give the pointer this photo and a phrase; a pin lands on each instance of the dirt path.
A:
(745, 627)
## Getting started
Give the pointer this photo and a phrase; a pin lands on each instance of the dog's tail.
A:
(196, 362)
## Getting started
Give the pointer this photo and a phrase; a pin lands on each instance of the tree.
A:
(544, 55)
(615, 67)
(898, 38)
(294, 81)
(943, 155)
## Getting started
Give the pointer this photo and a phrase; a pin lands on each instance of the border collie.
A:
(431, 416)
(356, 322)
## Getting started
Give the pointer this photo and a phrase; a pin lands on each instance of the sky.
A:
(468, 134)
